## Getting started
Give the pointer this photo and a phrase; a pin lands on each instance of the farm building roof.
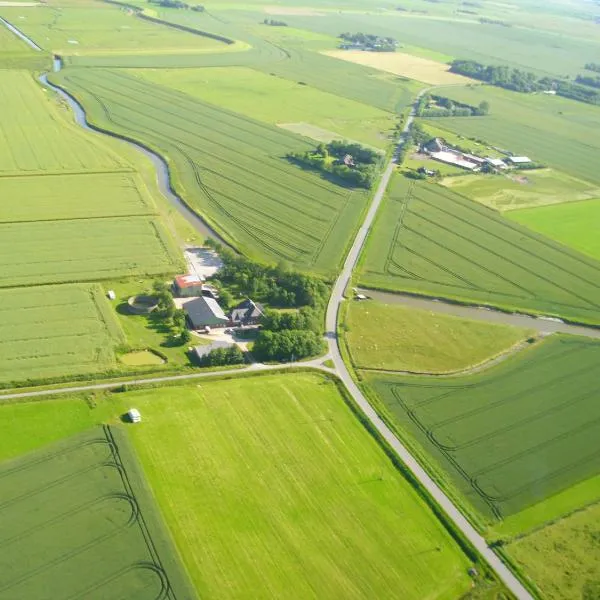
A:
(519, 159)
(453, 158)
(246, 311)
(203, 311)
(495, 162)
(202, 351)
(185, 281)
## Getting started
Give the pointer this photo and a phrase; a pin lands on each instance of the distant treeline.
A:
(274, 23)
(351, 162)
(593, 67)
(588, 80)
(177, 4)
(523, 81)
(486, 21)
(368, 41)
(444, 107)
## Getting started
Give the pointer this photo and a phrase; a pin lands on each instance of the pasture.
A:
(230, 169)
(271, 487)
(78, 521)
(510, 436)
(395, 338)
(549, 129)
(52, 331)
(276, 100)
(573, 224)
(405, 65)
(432, 241)
(84, 250)
(562, 558)
(15, 54)
(522, 190)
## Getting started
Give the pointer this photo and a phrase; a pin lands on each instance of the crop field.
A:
(396, 338)
(83, 250)
(549, 129)
(574, 224)
(83, 195)
(562, 558)
(77, 522)
(230, 169)
(37, 137)
(430, 240)
(523, 190)
(405, 65)
(91, 27)
(284, 489)
(512, 435)
(15, 54)
(276, 100)
(56, 330)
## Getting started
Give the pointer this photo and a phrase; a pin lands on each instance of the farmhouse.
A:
(246, 313)
(188, 285)
(204, 312)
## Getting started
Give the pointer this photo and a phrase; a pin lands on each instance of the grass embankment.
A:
(510, 436)
(77, 521)
(391, 337)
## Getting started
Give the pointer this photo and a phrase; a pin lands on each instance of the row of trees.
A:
(588, 80)
(592, 67)
(287, 345)
(177, 4)
(438, 106)
(275, 23)
(523, 81)
(223, 357)
(368, 41)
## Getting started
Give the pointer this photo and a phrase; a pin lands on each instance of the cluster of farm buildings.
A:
(437, 149)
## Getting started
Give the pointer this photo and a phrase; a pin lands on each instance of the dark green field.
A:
(76, 521)
(513, 435)
(430, 240)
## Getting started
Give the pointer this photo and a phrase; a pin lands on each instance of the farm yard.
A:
(230, 169)
(285, 490)
(387, 337)
(521, 432)
(432, 241)
(56, 331)
(77, 521)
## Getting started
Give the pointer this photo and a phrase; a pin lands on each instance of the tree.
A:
(178, 318)
(185, 335)
(225, 298)
(484, 107)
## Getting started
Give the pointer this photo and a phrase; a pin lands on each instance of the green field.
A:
(229, 168)
(513, 435)
(272, 488)
(549, 129)
(562, 558)
(78, 522)
(395, 338)
(522, 190)
(574, 224)
(56, 331)
(15, 54)
(84, 250)
(430, 240)
(276, 100)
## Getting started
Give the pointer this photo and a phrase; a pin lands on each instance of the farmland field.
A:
(270, 484)
(276, 100)
(15, 54)
(430, 240)
(388, 337)
(230, 169)
(56, 331)
(512, 435)
(574, 224)
(83, 250)
(562, 558)
(527, 189)
(77, 521)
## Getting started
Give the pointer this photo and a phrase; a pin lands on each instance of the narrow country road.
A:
(333, 308)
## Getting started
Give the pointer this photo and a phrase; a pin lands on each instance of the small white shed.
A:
(111, 295)
(134, 415)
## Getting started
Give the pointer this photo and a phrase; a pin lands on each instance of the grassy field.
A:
(573, 224)
(78, 522)
(405, 65)
(230, 169)
(562, 558)
(510, 436)
(276, 100)
(430, 240)
(15, 54)
(523, 190)
(284, 494)
(549, 129)
(96, 28)
(56, 331)
(395, 338)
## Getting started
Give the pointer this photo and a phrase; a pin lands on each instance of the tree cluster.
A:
(172, 318)
(588, 80)
(438, 106)
(287, 344)
(368, 41)
(486, 21)
(274, 23)
(177, 4)
(592, 67)
(222, 356)
(523, 81)
(350, 162)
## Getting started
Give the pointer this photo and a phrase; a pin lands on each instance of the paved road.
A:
(337, 297)
(482, 314)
